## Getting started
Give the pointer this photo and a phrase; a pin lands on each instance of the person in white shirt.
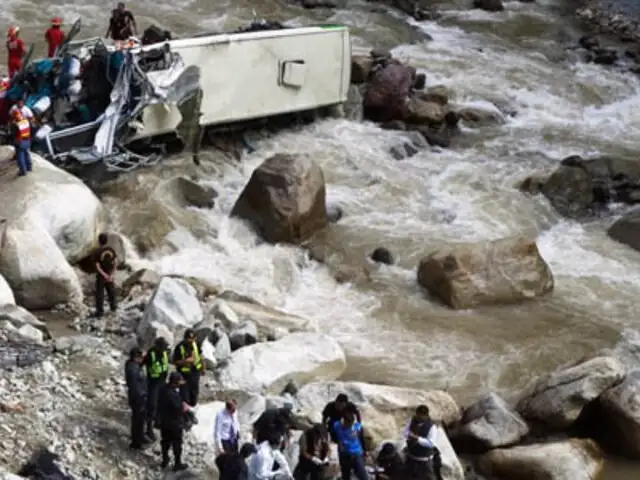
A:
(422, 455)
(262, 462)
(227, 429)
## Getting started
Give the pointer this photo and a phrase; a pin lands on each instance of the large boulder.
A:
(285, 199)
(487, 424)
(626, 229)
(57, 202)
(557, 400)
(174, 306)
(501, 271)
(580, 187)
(6, 295)
(268, 367)
(268, 321)
(616, 422)
(564, 460)
(398, 401)
(36, 268)
(387, 92)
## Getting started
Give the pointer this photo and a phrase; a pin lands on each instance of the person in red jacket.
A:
(54, 36)
(17, 50)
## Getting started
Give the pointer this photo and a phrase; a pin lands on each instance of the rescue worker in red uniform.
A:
(54, 36)
(16, 49)
(22, 137)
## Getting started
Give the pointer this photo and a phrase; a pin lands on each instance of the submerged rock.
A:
(572, 459)
(511, 270)
(580, 187)
(285, 199)
(626, 229)
(489, 5)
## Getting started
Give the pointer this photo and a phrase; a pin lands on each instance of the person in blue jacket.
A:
(351, 449)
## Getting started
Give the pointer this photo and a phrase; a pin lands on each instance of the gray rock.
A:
(556, 400)
(243, 335)
(19, 316)
(487, 424)
(626, 230)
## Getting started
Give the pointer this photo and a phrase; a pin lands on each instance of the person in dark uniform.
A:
(171, 415)
(156, 362)
(187, 359)
(122, 24)
(233, 465)
(137, 395)
(422, 459)
(334, 412)
(106, 262)
(274, 421)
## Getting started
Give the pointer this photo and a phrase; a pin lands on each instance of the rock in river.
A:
(501, 271)
(487, 424)
(556, 401)
(285, 199)
(626, 229)
(571, 459)
(301, 357)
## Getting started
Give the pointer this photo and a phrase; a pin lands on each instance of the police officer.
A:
(106, 261)
(422, 460)
(187, 359)
(171, 414)
(137, 395)
(156, 362)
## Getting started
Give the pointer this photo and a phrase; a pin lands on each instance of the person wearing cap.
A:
(17, 50)
(187, 359)
(137, 395)
(171, 420)
(334, 412)
(122, 24)
(21, 132)
(156, 362)
(54, 36)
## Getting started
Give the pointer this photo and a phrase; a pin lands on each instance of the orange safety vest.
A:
(24, 130)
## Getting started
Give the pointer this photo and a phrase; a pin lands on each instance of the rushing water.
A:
(392, 332)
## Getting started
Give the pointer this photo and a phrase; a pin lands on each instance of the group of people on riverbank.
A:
(166, 400)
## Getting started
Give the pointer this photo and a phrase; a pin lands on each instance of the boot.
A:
(178, 467)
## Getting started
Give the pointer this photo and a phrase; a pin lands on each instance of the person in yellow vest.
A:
(156, 362)
(22, 141)
(187, 359)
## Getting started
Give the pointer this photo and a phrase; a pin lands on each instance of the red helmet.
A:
(13, 31)
(56, 21)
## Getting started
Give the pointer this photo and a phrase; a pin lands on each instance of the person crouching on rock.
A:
(156, 362)
(171, 420)
(314, 454)
(106, 262)
(351, 446)
(233, 466)
(269, 462)
(422, 456)
(137, 395)
(187, 359)
(389, 463)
